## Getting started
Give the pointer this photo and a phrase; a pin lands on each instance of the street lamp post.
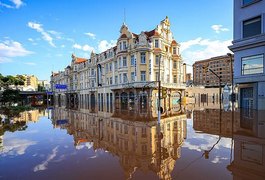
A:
(220, 98)
(159, 91)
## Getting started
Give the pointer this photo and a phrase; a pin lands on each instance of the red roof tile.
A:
(79, 60)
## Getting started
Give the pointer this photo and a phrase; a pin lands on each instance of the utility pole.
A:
(220, 98)
(159, 92)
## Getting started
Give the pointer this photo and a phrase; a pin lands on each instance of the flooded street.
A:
(60, 143)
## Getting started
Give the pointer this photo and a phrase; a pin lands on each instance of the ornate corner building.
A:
(126, 74)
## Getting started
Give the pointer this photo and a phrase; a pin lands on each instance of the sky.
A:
(39, 36)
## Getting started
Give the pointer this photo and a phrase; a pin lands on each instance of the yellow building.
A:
(125, 73)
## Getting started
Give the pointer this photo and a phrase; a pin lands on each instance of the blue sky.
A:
(37, 37)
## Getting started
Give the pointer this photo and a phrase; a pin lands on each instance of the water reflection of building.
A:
(1, 142)
(247, 129)
(249, 146)
(136, 143)
(215, 121)
(32, 115)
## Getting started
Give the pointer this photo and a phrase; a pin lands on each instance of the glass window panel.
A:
(252, 27)
(252, 64)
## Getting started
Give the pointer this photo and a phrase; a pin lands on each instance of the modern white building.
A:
(249, 48)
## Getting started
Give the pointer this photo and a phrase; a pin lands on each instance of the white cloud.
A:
(44, 164)
(6, 5)
(199, 49)
(56, 34)
(77, 46)
(9, 49)
(30, 63)
(188, 44)
(16, 4)
(91, 35)
(45, 35)
(30, 39)
(104, 45)
(86, 47)
(5, 60)
(16, 146)
(219, 28)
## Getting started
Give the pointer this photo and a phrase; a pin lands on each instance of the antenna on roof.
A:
(124, 16)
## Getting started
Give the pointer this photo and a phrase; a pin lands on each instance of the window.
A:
(157, 76)
(120, 46)
(252, 27)
(92, 72)
(143, 58)
(175, 78)
(116, 65)
(110, 66)
(107, 81)
(124, 77)
(143, 75)
(252, 64)
(132, 76)
(247, 2)
(116, 79)
(124, 45)
(175, 64)
(156, 43)
(157, 59)
(120, 78)
(110, 80)
(174, 50)
(120, 62)
(124, 62)
(107, 68)
(132, 60)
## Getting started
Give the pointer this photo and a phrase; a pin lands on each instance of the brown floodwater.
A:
(200, 143)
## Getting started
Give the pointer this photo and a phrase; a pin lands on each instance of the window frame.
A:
(132, 60)
(143, 58)
(243, 69)
(143, 73)
(246, 21)
(250, 3)
(156, 40)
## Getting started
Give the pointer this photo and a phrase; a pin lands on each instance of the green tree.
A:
(6, 81)
(10, 96)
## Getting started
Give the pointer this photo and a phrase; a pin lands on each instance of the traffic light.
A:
(164, 92)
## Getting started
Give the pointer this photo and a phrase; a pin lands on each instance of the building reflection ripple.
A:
(247, 132)
(129, 135)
